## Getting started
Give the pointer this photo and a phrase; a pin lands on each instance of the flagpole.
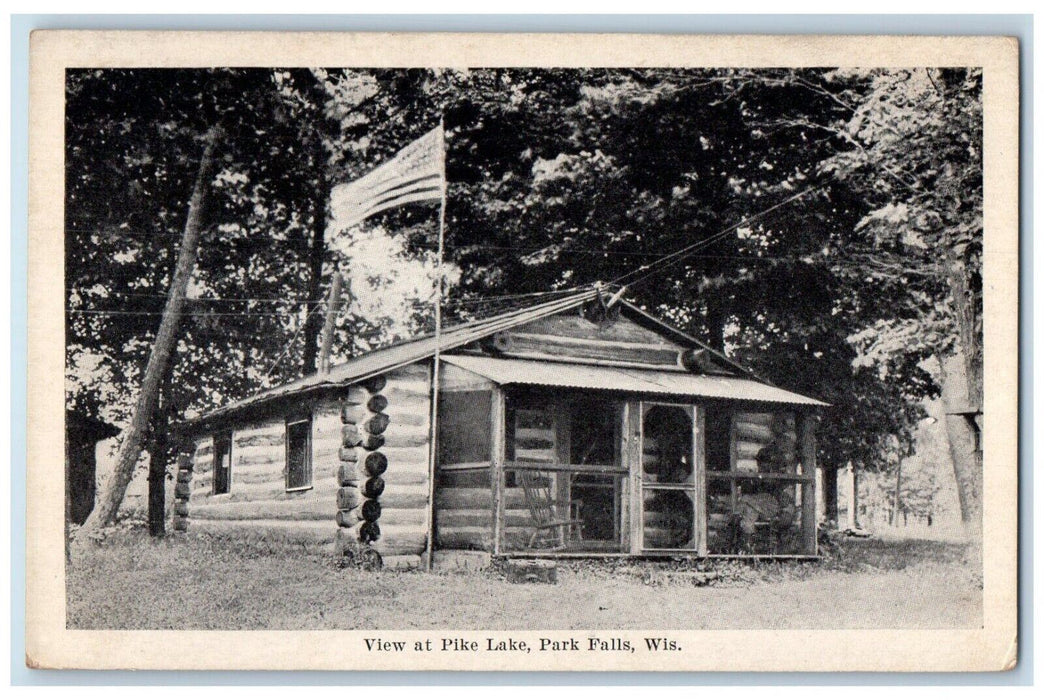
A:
(432, 444)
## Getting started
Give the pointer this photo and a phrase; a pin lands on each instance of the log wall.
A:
(383, 463)
(258, 506)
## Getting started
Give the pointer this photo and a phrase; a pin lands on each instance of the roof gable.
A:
(414, 350)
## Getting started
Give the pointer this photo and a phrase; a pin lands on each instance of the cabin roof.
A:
(413, 350)
(678, 382)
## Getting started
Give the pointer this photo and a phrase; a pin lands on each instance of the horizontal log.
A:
(348, 474)
(267, 490)
(184, 462)
(369, 532)
(404, 517)
(747, 449)
(347, 518)
(271, 531)
(377, 403)
(746, 465)
(464, 518)
(414, 372)
(179, 524)
(273, 439)
(184, 476)
(405, 539)
(408, 391)
(376, 463)
(753, 432)
(204, 448)
(400, 417)
(376, 424)
(375, 384)
(374, 487)
(406, 455)
(354, 395)
(407, 474)
(330, 453)
(371, 510)
(181, 508)
(480, 538)
(464, 499)
(258, 456)
(764, 419)
(525, 344)
(350, 435)
(372, 442)
(353, 414)
(348, 497)
(182, 490)
(407, 436)
(322, 508)
(348, 454)
(411, 496)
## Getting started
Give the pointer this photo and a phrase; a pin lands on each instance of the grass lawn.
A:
(132, 582)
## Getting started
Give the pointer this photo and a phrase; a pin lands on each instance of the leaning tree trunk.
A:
(104, 512)
(160, 457)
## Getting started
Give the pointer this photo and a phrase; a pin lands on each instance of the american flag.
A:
(417, 173)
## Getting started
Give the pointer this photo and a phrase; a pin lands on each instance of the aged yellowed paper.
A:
(626, 523)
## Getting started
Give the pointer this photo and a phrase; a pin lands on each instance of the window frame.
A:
(291, 421)
(216, 439)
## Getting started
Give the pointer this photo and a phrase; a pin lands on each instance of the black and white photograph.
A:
(524, 348)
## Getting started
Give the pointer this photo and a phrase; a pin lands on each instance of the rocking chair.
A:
(556, 521)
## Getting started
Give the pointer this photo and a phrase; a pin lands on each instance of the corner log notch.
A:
(363, 424)
(382, 503)
(182, 490)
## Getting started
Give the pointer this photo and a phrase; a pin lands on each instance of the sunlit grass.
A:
(133, 582)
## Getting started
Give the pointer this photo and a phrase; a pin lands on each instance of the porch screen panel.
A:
(668, 477)
(755, 500)
(563, 474)
(464, 428)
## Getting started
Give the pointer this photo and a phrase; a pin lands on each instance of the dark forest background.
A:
(864, 291)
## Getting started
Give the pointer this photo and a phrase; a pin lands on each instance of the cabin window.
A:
(299, 454)
(464, 439)
(222, 463)
(564, 479)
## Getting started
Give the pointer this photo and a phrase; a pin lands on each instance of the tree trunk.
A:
(830, 494)
(896, 500)
(962, 389)
(961, 434)
(716, 324)
(319, 206)
(160, 456)
(317, 251)
(104, 512)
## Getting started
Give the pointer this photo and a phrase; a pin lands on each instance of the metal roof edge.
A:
(478, 329)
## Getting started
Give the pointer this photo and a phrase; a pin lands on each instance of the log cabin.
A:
(571, 428)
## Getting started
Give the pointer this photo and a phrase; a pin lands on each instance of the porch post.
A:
(497, 418)
(700, 475)
(808, 486)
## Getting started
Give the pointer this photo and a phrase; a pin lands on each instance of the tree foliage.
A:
(835, 190)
